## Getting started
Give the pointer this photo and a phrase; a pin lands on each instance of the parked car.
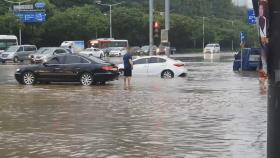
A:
(47, 52)
(116, 51)
(68, 68)
(161, 66)
(163, 49)
(146, 49)
(96, 52)
(18, 53)
(251, 59)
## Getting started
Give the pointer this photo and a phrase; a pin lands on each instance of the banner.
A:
(261, 11)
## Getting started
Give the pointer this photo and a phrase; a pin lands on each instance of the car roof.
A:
(156, 56)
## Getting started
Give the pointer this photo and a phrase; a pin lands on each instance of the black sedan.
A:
(68, 68)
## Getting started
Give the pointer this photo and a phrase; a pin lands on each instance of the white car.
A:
(93, 52)
(211, 51)
(117, 51)
(161, 66)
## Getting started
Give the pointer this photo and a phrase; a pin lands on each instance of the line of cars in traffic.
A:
(90, 70)
(58, 64)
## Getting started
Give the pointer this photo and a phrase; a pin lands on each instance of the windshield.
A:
(12, 49)
(210, 45)
(42, 50)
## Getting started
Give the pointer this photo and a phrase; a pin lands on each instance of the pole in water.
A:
(151, 17)
(273, 69)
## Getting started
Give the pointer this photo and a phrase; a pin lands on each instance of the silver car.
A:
(46, 52)
(17, 53)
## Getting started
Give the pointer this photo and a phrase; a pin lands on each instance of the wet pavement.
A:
(212, 113)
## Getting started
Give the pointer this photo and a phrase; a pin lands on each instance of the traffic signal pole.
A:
(273, 58)
(151, 17)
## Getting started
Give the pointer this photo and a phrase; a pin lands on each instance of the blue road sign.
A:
(40, 5)
(242, 37)
(251, 17)
(32, 16)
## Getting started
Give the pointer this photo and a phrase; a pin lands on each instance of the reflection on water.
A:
(214, 112)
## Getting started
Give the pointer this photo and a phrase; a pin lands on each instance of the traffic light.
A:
(156, 27)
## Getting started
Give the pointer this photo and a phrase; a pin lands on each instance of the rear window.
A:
(97, 60)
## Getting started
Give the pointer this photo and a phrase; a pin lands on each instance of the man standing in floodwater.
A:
(128, 66)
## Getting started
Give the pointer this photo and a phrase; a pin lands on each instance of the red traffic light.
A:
(156, 25)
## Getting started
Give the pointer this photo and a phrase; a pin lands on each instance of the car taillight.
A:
(109, 68)
(179, 65)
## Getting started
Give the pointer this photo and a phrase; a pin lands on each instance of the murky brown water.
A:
(213, 113)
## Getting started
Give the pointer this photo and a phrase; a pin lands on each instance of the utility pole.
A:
(273, 59)
(110, 6)
(151, 19)
(19, 4)
(232, 37)
(203, 29)
(167, 14)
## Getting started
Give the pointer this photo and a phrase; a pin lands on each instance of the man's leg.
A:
(129, 80)
(125, 78)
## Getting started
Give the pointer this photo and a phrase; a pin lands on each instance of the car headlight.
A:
(18, 70)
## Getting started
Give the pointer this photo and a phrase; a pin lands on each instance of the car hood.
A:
(42, 55)
(10, 53)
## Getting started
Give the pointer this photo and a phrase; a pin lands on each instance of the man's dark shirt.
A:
(126, 62)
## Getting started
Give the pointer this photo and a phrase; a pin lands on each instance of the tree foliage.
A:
(84, 20)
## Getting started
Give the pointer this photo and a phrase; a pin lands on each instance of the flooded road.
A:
(212, 113)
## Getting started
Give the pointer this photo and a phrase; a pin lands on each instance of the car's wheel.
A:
(28, 78)
(86, 79)
(167, 74)
(16, 59)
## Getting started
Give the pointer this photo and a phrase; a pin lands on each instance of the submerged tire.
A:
(28, 78)
(167, 74)
(86, 79)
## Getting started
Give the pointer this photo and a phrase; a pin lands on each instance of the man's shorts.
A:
(127, 72)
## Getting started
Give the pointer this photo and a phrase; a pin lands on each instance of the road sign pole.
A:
(19, 31)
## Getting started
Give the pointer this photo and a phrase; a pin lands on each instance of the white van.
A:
(74, 46)
(212, 51)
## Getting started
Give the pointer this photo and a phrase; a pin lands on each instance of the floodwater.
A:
(212, 113)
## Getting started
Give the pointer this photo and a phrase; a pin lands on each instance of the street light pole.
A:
(111, 31)
(203, 29)
(110, 6)
(232, 37)
(19, 4)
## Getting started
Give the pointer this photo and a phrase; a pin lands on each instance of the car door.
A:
(140, 66)
(52, 69)
(156, 65)
(20, 53)
(27, 51)
(73, 65)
